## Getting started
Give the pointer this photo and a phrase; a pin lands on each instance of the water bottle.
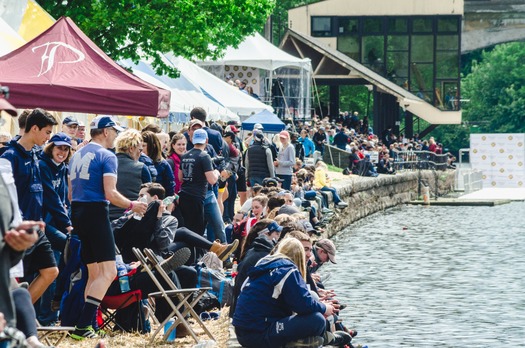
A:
(173, 333)
(122, 272)
(138, 216)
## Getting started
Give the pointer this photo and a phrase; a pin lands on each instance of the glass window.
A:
(447, 65)
(422, 48)
(348, 26)
(422, 25)
(449, 95)
(349, 45)
(421, 77)
(448, 25)
(447, 42)
(397, 25)
(373, 54)
(397, 43)
(397, 67)
(373, 25)
(321, 26)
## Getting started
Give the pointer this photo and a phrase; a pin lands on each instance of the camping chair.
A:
(117, 302)
(53, 335)
(180, 310)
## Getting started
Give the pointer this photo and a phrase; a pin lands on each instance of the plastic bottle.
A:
(234, 269)
(138, 216)
(173, 333)
(122, 272)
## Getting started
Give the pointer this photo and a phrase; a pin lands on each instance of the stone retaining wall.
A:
(366, 195)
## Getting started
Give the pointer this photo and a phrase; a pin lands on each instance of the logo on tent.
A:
(48, 58)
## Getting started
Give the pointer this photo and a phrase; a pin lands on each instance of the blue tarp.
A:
(269, 120)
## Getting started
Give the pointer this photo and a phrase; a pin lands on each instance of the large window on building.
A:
(322, 26)
(419, 53)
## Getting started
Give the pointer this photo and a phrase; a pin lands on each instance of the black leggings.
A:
(189, 239)
(25, 312)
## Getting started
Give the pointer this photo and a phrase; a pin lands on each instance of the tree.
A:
(496, 90)
(135, 29)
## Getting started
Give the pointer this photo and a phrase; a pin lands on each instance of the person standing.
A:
(93, 180)
(285, 160)
(258, 162)
(196, 172)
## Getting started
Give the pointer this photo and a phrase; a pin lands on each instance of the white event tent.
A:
(257, 52)
(9, 38)
(185, 95)
(218, 90)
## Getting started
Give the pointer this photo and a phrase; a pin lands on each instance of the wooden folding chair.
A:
(53, 335)
(150, 263)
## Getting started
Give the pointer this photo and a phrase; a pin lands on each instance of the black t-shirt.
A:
(193, 165)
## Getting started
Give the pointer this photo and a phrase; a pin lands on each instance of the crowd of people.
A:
(202, 189)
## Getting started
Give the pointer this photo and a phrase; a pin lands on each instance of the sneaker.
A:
(337, 338)
(326, 211)
(100, 333)
(342, 204)
(80, 333)
(177, 259)
(311, 342)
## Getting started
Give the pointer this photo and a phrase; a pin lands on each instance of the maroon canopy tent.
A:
(63, 70)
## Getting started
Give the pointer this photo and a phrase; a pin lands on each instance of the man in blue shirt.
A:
(93, 181)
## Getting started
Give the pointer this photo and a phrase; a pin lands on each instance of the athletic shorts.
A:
(241, 182)
(91, 224)
(39, 256)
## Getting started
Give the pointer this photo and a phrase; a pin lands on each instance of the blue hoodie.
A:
(26, 172)
(54, 182)
(274, 290)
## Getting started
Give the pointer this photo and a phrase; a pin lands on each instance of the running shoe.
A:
(81, 333)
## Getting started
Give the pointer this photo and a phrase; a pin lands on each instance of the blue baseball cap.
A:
(199, 136)
(61, 139)
(69, 121)
(104, 121)
(272, 227)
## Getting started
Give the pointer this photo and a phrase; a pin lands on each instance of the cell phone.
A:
(33, 229)
(168, 200)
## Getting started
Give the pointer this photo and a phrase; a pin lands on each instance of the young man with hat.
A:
(259, 161)
(93, 182)
(196, 172)
(323, 251)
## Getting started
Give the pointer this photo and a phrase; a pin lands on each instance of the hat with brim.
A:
(61, 139)
(70, 121)
(199, 137)
(328, 246)
(272, 227)
(101, 122)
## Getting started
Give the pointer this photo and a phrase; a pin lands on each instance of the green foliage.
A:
(135, 29)
(496, 89)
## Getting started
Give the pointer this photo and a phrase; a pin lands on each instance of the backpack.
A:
(74, 277)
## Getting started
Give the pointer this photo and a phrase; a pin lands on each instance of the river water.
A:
(416, 276)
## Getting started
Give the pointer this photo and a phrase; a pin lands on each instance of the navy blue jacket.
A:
(274, 290)
(165, 177)
(54, 182)
(28, 181)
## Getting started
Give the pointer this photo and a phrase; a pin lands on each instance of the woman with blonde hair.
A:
(322, 183)
(131, 173)
(275, 307)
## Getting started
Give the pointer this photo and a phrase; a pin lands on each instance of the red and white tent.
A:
(63, 70)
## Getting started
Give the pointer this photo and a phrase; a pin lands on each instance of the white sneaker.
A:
(342, 204)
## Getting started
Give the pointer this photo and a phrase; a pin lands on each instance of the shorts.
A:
(39, 256)
(241, 182)
(92, 226)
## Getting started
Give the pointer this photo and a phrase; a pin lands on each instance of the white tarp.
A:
(9, 38)
(218, 90)
(185, 95)
(256, 51)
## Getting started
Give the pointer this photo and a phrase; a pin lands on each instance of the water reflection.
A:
(434, 276)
